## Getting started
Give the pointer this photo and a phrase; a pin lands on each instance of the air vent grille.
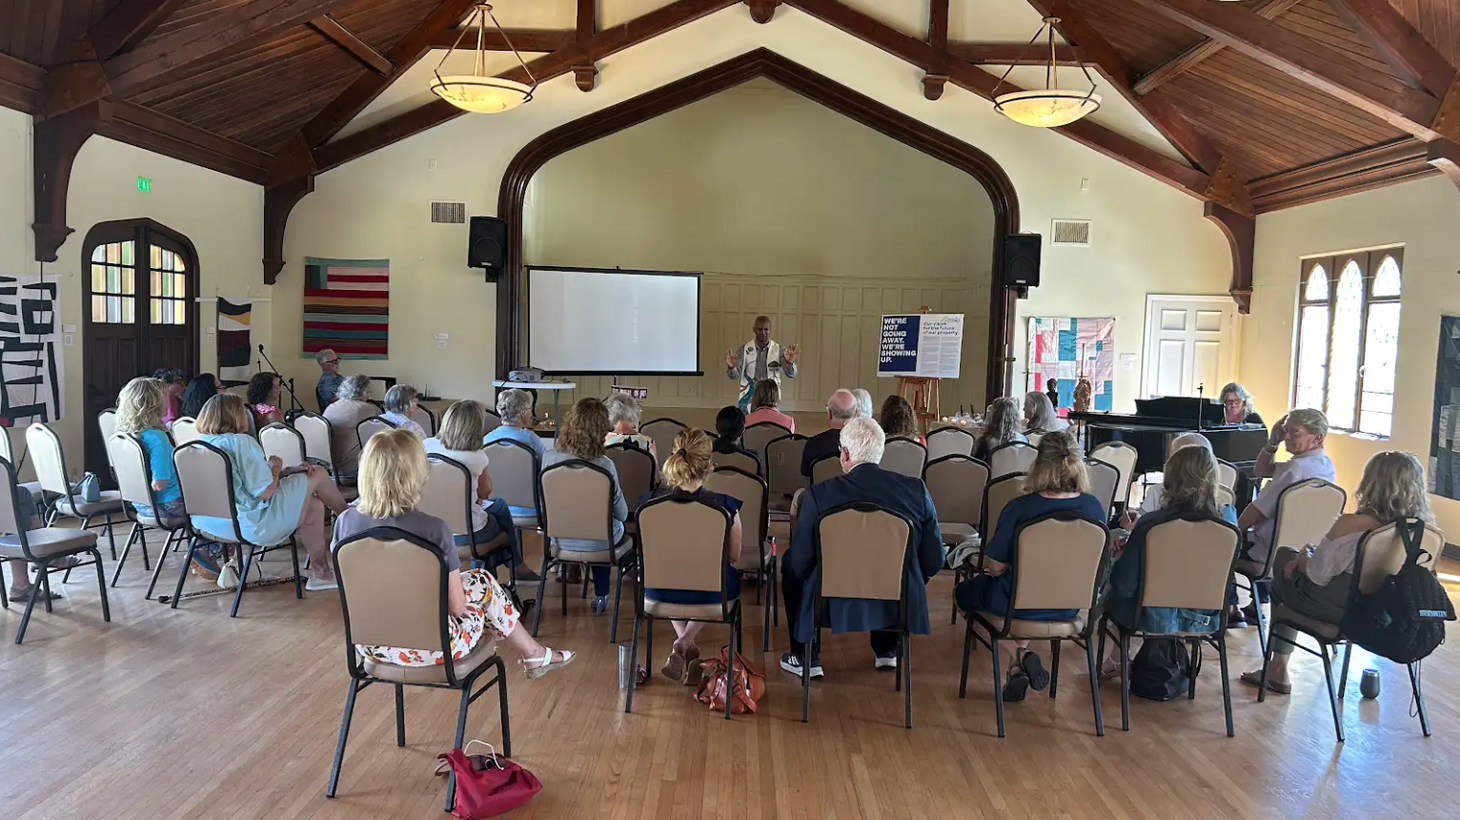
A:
(448, 213)
(1068, 232)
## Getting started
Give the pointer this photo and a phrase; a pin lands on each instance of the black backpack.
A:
(1161, 670)
(1404, 619)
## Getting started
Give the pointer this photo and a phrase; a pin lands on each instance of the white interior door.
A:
(1190, 344)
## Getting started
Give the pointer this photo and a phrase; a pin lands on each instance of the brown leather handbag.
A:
(747, 689)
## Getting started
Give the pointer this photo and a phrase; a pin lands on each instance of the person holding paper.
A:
(758, 360)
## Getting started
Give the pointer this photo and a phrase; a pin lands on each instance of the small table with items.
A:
(553, 387)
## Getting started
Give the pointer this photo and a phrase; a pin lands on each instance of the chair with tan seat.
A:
(956, 484)
(759, 435)
(1014, 457)
(317, 433)
(947, 441)
(183, 430)
(134, 482)
(50, 467)
(1305, 512)
(824, 468)
(423, 416)
(783, 471)
(449, 494)
(904, 456)
(1186, 564)
(369, 427)
(492, 421)
(205, 477)
(996, 495)
(33, 487)
(662, 432)
(1104, 481)
(636, 471)
(685, 545)
(393, 593)
(106, 421)
(577, 502)
(862, 553)
(1379, 554)
(41, 548)
(1061, 554)
(513, 467)
(740, 461)
(1226, 474)
(1122, 457)
(755, 558)
(281, 440)
(1034, 438)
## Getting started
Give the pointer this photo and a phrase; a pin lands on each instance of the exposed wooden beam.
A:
(20, 84)
(129, 23)
(1411, 110)
(607, 42)
(1399, 44)
(1393, 162)
(762, 11)
(587, 20)
(522, 39)
(1241, 233)
(935, 75)
(57, 142)
(1201, 52)
(279, 201)
(171, 137)
(330, 29)
(585, 73)
(971, 78)
(1445, 156)
(1015, 53)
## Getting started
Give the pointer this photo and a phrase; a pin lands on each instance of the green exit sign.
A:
(144, 183)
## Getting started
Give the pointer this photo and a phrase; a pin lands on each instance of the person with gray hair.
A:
(329, 379)
(1237, 405)
(347, 410)
(860, 444)
(515, 408)
(864, 403)
(840, 409)
(623, 413)
(400, 400)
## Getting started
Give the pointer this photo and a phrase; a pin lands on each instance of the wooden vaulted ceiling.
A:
(1270, 102)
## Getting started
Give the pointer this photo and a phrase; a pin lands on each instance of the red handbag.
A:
(487, 785)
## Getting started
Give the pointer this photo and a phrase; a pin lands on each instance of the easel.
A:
(924, 396)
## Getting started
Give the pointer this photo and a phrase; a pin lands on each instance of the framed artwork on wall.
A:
(1444, 467)
(1066, 348)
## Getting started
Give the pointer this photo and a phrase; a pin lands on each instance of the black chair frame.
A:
(769, 574)
(961, 573)
(486, 560)
(1006, 446)
(811, 478)
(139, 530)
(53, 511)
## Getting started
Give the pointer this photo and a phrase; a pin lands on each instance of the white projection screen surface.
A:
(587, 322)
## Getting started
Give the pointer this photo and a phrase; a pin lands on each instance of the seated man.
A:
(1302, 432)
(840, 408)
(729, 427)
(860, 448)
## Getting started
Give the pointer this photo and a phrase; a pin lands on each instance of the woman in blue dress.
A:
(271, 505)
(685, 472)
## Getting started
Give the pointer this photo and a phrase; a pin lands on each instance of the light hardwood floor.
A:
(167, 714)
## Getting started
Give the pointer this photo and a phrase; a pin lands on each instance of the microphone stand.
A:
(1200, 398)
(294, 405)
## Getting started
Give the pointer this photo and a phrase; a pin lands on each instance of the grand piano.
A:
(1159, 420)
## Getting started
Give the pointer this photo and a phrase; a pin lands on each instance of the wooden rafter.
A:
(1409, 109)
(57, 142)
(1201, 52)
(129, 24)
(1445, 156)
(330, 29)
(935, 75)
(1015, 53)
(80, 76)
(522, 39)
(1399, 44)
(585, 73)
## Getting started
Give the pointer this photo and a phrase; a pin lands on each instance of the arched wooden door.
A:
(140, 315)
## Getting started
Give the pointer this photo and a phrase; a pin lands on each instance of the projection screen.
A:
(605, 322)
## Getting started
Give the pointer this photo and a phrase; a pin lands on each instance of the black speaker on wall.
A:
(488, 246)
(1021, 260)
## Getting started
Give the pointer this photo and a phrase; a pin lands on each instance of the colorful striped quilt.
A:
(347, 307)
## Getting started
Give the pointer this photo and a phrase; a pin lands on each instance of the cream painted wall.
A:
(1149, 237)
(223, 217)
(1421, 215)
(791, 210)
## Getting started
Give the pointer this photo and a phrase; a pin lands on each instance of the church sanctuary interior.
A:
(729, 408)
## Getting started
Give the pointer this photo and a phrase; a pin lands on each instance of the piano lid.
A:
(1184, 408)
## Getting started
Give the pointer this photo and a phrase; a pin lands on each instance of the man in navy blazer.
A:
(862, 442)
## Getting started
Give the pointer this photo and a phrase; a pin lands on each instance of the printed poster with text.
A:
(921, 344)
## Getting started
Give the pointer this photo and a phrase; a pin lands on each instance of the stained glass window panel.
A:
(129, 310)
(1348, 317)
(180, 287)
(127, 248)
(127, 283)
(98, 308)
(98, 254)
(1381, 354)
(156, 311)
(1312, 356)
(98, 278)
(1386, 281)
(1317, 289)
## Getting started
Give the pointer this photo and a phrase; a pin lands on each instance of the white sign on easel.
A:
(921, 344)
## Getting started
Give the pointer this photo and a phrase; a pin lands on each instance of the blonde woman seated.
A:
(393, 471)
(347, 410)
(1316, 582)
(271, 504)
(1056, 482)
(1039, 414)
(623, 414)
(685, 471)
(1000, 427)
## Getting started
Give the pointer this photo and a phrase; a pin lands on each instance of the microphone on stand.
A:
(294, 405)
(1200, 416)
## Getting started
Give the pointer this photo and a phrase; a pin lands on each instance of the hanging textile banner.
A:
(1064, 349)
(32, 371)
(235, 340)
(347, 307)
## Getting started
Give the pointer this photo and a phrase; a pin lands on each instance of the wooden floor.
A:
(187, 714)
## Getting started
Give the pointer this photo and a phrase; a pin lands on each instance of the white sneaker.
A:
(889, 662)
(321, 585)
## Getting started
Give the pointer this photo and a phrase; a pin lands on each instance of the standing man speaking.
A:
(758, 360)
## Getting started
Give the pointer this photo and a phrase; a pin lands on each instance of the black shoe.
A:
(1034, 670)
(1016, 686)
(1237, 620)
(791, 662)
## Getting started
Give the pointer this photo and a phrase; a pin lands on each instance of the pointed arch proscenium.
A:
(807, 83)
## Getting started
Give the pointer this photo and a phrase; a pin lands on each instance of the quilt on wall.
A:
(347, 307)
(1061, 348)
(235, 342)
(31, 364)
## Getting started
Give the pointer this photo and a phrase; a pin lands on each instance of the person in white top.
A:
(757, 360)
(1302, 432)
(459, 439)
(400, 400)
(1316, 582)
(1039, 414)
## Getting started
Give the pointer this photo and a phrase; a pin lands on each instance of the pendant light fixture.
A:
(479, 92)
(1051, 106)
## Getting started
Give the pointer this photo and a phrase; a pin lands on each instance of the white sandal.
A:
(546, 664)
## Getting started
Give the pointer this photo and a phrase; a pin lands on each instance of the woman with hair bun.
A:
(685, 471)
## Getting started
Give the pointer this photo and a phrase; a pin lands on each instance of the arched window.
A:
(1348, 339)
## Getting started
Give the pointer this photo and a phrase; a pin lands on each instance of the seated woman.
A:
(623, 414)
(581, 438)
(1316, 582)
(1057, 481)
(393, 471)
(462, 427)
(400, 400)
(173, 385)
(765, 406)
(347, 410)
(205, 386)
(1237, 405)
(898, 421)
(1151, 501)
(1000, 426)
(729, 427)
(270, 505)
(685, 471)
(263, 399)
(1039, 414)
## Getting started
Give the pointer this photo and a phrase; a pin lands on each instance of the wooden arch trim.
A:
(807, 83)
